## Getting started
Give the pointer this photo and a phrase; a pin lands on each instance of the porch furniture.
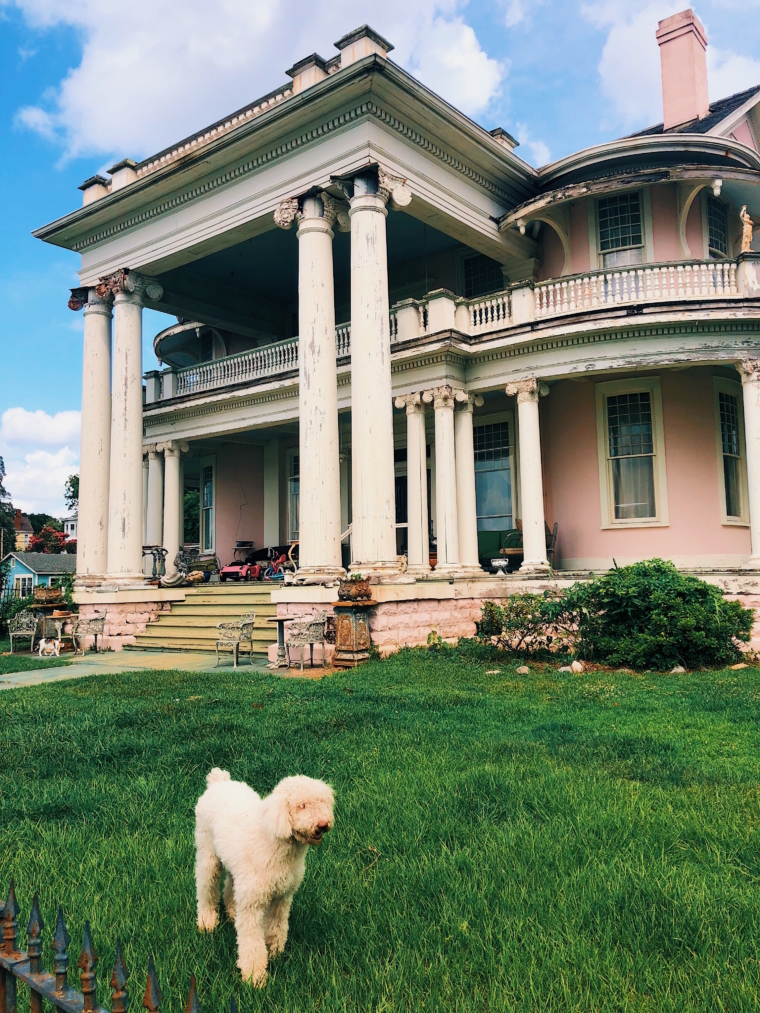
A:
(247, 621)
(231, 636)
(308, 630)
(352, 640)
(23, 626)
(512, 553)
(84, 628)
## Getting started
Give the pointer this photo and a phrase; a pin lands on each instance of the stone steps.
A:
(191, 624)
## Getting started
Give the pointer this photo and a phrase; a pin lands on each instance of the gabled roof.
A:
(46, 563)
(718, 111)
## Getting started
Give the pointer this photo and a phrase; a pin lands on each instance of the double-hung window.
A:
(493, 476)
(481, 276)
(294, 489)
(621, 232)
(23, 586)
(729, 424)
(717, 229)
(631, 453)
(208, 504)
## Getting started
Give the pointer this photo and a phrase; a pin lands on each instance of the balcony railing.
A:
(656, 283)
(442, 310)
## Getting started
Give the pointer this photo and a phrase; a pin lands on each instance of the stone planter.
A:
(354, 590)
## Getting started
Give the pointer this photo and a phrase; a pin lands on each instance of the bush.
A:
(648, 615)
(9, 608)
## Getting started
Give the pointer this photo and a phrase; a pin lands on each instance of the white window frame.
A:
(733, 387)
(596, 255)
(705, 193)
(494, 419)
(208, 462)
(290, 454)
(461, 255)
(650, 385)
(20, 580)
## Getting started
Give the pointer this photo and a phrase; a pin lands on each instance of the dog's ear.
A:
(277, 814)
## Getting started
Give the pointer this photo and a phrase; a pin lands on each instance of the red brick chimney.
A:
(682, 43)
(17, 521)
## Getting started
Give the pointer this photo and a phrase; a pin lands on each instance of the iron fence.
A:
(17, 965)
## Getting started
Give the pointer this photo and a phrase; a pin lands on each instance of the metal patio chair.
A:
(84, 628)
(308, 630)
(231, 635)
(23, 626)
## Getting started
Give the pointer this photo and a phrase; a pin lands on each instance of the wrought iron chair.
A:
(23, 626)
(84, 628)
(231, 636)
(247, 621)
(308, 630)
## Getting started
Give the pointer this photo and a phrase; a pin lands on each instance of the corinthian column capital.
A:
(412, 402)
(393, 189)
(440, 397)
(128, 282)
(89, 299)
(527, 390)
(173, 448)
(466, 400)
(286, 212)
(749, 370)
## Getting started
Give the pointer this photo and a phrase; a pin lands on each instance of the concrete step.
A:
(189, 646)
(205, 622)
(184, 609)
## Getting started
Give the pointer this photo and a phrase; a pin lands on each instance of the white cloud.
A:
(22, 428)
(729, 72)
(539, 150)
(516, 12)
(36, 480)
(173, 66)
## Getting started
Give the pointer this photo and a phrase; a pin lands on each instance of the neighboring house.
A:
(29, 569)
(484, 346)
(24, 531)
(69, 526)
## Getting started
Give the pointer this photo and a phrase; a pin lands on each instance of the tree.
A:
(6, 515)
(71, 493)
(49, 540)
(40, 521)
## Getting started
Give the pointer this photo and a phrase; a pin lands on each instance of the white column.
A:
(155, 522)
(272, 493)
(467, 513)
(125, 488)
(418, 539)
(531, 476)
(750, 374)
(172, 500)
(447, 524)
(145, 498)
(95, 447)
(373, 486)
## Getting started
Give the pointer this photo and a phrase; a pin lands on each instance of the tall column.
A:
(145, 465)
(447, 523)
(172, 500)
(467, 512)
(531, 476)
(749, 370)
(125, 488)
(418, 540)
(319, 480)
(155, 523)
(373, 486)
(95, 447)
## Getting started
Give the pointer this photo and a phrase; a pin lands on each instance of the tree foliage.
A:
(6, 514)
(648, 615)
(51, 541)
(39, 521)
(71, 493)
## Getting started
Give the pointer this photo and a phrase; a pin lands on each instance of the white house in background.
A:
(449, 354)
(70, 526)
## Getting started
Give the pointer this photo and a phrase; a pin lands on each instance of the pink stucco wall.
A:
(694, 233)
(667, 245)
(568, 419)
(743, 134)
(239, 497)
(552, 254)
(579, 249)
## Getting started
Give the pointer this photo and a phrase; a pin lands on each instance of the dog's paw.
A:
(275, 945)
(207, 920)
(257, 976)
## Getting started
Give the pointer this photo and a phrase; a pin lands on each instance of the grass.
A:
(502, 842)
(22, 661)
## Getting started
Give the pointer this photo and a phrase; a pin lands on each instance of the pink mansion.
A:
(400, 345)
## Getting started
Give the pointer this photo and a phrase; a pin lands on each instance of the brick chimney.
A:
(17, 521)
(682, 43)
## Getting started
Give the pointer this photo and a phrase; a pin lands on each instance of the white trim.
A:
(734, 388)
(702, 562)
(651, 384)
(290, 455)
(647, 231)
(208, 462)
(509, 417)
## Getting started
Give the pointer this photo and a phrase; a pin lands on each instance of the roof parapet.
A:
(505, 138)
(93, 188)
(122, 174)
(361, 42)
(307, 72)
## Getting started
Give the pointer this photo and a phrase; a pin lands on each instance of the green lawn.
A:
(546, 842)
(23, 661)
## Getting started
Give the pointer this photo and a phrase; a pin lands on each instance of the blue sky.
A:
(83, 86)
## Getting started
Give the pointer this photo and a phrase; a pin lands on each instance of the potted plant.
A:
(356, 588)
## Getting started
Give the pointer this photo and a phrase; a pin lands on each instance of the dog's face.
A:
(304, 809)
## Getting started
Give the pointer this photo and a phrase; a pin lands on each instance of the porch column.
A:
(467, 512)
(172, 500)
(125, 488)
(373, 539)
(145, 463)
(155, 494)
(749, 370)
(446, 521)
(418, 540)
(95, 448)
(531, 477)
(319, 483)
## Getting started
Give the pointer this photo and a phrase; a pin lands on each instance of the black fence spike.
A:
(120, 996)
(88, 958)
(61, 940)
(34, 935)
(10, 923)
(193, 1006)
(153, 997)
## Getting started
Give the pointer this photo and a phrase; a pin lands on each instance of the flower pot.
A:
(354, 590)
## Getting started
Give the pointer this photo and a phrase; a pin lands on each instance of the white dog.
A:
(262, 845)
(50, 648)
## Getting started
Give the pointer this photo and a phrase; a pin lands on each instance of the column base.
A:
(539, 567)
(85, 581)
(419, 571)
(383, 571)
(123, 581)
(311, 575)
(753, 563)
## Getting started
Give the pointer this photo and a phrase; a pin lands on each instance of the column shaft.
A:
(155, 496)
(172, 504)
(373, 486)
(418, 538)
(145, 465)
(467, 512)
(95, 452)
(447, 524)
(531, 475)
(750, 374)
(319, 485)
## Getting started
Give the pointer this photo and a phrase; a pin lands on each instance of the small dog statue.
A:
(262, 844)
(49, 648)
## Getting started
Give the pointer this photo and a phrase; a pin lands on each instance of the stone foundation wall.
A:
(123, 621)
(750, 601)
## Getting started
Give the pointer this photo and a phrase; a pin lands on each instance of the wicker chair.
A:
(84, 628)
(232, 635)
(23, 626)
(307, 630)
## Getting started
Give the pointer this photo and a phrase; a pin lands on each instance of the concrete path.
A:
(111, 662)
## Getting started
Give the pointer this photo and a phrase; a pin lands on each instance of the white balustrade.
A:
(489, 313)
(269, 360)
(655, 283)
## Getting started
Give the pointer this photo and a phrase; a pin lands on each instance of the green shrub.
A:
(648, 615)
(9, 608)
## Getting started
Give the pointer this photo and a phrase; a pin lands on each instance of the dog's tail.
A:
(217, 774)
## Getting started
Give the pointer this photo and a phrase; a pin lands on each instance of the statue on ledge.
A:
(747, 227)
